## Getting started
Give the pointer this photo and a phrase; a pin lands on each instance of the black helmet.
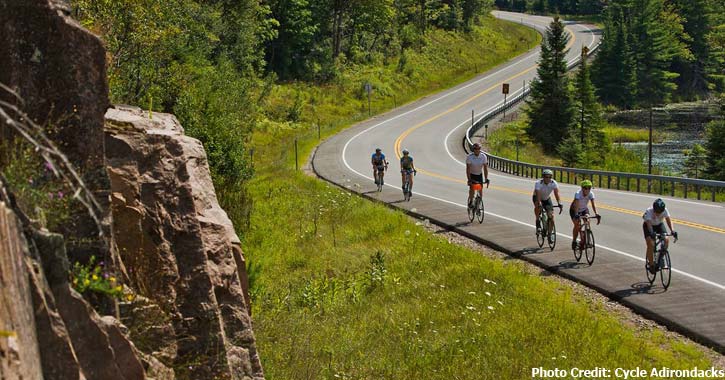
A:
(378, 150)
(476, 146)
(659, 205)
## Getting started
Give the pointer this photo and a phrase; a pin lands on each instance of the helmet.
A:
(405, 151)
(378, 150)
(586, 183)
(547, 172)
(476, 146)
(659, 205)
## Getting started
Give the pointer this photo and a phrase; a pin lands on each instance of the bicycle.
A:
(662, 261)
(477, 211)
(548, 228)
(379, 177)
(586, 243)
(407, 192)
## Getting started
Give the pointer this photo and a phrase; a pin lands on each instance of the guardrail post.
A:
(609, 181)
(661, 188)
(698, 191)
(638, 184)
(685, 184)
(672, 191)
(567, 177)
(713, 193)
(627, 183)
(600, 181)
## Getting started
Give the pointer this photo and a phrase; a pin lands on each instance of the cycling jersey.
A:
(582, 202)
(654, 219)
(406, 163)
(545, 189)
(476, 162)
(378, 160)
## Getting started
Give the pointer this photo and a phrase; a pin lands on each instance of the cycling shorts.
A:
(546, 203)
(477, 178)
(658, 229)
(575, 215)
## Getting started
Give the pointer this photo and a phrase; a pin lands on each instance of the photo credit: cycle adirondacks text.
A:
(626, 373)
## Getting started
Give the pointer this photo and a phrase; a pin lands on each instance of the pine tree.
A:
(715, 146)
(550, 111)
(590, 123)
(697, 18)
(695, 161)
(614, 69)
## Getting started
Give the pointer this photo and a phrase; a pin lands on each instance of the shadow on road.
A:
(642, 287)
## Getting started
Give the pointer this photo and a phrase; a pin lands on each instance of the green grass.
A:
(619, 134)
(343, 288)
(350, 288)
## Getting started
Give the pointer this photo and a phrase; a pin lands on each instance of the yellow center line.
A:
(405, 134)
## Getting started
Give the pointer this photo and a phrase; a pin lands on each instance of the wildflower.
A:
(490, 308)
(50, 196)
(112, 279)
(472, 293)
(488, 294)
(129, 297)
(95, 277)
(48, 166)
(60, 195)
(118, 288)
(86, 282)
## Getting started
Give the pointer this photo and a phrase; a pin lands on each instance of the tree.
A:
(591, 136)
(550, 111)
(697, 17)
(715, 146)
(695, 161)
(614, 69)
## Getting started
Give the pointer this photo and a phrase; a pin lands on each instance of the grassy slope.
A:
(344, 288)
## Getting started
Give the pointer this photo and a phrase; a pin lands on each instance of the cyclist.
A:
(379, 164)
(406, 166)
(542, 196)
(476, 170)
(580, 206)
(653, 218)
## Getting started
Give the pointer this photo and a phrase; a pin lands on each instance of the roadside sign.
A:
(505, 88)
(368, 87)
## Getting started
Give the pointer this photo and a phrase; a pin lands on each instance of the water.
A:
(668, 154)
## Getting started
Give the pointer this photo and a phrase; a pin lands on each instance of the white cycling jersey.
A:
(582, 202)
(545, 189)
(654, 219)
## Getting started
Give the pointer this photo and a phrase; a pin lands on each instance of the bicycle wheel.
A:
(651, 276)
(540, 234)
(590, 247)
(479, 209)
(578, 252)
(665, 269)
(552, 235)
(471, 212)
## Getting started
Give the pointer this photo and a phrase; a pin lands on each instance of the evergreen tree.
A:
(613, 69)
(697, 16)
(695, 161)
(715, 146)
(590, 123)
(550, 110)
(657, 40)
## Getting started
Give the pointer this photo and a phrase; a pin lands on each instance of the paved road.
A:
(432, 129)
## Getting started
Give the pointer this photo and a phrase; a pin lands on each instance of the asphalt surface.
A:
(432, 129)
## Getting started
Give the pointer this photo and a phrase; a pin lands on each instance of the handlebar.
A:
(597, 216)
(662, 235)
(561, 208)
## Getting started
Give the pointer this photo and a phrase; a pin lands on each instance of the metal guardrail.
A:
(619, 180)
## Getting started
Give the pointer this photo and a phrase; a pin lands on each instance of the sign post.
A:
(505, 91)
(368, 89)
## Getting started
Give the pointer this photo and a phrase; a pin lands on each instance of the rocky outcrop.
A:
(181, 250)
(58, 70)
(48, 330)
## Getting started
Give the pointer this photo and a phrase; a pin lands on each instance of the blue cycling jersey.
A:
(406, 162)
(378, 160)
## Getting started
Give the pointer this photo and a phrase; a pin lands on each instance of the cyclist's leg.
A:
(375, 174)
(549, 209)
(410, 181)
(649, 253)
(575, 228)
(402, 178)
(537, 211)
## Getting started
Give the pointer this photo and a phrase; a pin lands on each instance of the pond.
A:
(668, 154)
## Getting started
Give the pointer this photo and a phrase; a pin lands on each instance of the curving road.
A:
(432, 129)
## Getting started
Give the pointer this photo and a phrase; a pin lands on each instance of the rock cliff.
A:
(161, 227)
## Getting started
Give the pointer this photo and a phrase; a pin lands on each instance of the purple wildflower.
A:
(48, 166)
(50, 195)
(60, 194)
